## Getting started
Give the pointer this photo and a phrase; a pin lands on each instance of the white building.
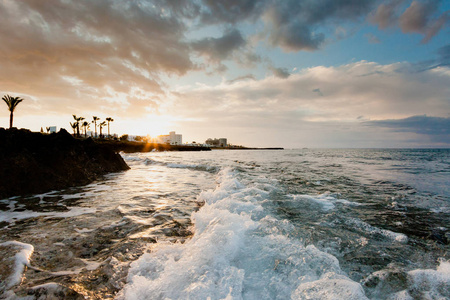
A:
(171, 138)
(223, 142)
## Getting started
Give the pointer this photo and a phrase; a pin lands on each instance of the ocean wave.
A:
(196, 167)
(366, 228)
(237, 252)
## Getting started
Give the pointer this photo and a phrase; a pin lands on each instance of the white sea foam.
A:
(371, 230)
(430, 284)
(13, 216)
(327, 200)
(420, 283)
(237, 252)
(21, 259)
(193, 167)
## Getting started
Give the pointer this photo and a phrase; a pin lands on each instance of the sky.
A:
(268, 73)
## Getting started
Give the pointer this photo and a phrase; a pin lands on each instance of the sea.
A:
(239, 224)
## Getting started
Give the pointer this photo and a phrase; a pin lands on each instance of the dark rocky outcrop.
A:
(32, 162)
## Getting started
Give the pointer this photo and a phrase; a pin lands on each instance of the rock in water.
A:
(32, 162)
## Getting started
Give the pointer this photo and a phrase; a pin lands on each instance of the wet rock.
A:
(386, 282)
(36, 163)
(53, 291)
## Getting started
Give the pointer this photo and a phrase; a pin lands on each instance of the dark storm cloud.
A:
(437, 129)
(218, 49)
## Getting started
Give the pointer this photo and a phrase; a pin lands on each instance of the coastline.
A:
(130, 147)
(33, 162)
(245, 148)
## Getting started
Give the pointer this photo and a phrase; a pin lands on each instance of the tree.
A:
(12, 103)
(95, 119)
(109, 119)
(78, 124)
(124, 137)
(101, 125)
(74, 126)
(48, 129)
(86, 127)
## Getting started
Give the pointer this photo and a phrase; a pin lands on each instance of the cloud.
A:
(280, 72)
(290, 105)
(293, 25)
(74, 51)
(218, 11)
(218, 49)
(435, 128)
(241, 78)
(362, 88)
(318, 91)
(419, 17)
(386, 14)
(416, 16)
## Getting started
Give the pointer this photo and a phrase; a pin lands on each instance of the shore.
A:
(130, 147)
(33, 162)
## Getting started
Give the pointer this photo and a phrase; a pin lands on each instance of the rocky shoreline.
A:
(33, 162)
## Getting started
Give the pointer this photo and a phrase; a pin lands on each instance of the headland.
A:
(32, 162)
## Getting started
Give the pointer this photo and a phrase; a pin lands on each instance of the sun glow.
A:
(151, 125)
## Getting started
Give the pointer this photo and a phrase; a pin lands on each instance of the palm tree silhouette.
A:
(101, 125)
(95, 119)
(12, 103)
(109, 119)
(78, 124)
(86, 127)
(74, 126)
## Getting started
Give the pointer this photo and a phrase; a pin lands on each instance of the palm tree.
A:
(86, 125)
(109, 119)
(101, 125)
(74, 126)
(12, 103)
(95, 119)
(78, 123)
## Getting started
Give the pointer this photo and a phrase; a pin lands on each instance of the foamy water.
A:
(293, 224)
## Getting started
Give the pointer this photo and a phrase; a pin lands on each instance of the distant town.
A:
(172, 138)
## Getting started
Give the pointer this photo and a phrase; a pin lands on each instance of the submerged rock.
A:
(32, 162)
